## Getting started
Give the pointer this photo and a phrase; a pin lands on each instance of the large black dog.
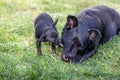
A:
(85, 31)
(45, 30)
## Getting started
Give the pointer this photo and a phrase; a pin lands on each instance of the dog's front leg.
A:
(38, 44)
(53, 48)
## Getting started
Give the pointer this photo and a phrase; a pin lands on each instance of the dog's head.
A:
(76, 38)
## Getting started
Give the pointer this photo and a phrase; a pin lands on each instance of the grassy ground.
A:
(18, 57)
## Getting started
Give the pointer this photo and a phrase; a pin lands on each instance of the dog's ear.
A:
(72, 21)
(93, 33)
(54, 24)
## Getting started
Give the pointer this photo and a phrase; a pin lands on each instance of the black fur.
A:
(85, 31)
(45, 31)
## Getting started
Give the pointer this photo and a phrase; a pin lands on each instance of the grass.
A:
(18, 57)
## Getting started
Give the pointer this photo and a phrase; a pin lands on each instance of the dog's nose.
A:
(64, 58)
(56, 41)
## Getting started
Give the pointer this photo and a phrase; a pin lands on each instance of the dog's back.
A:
(43, 17)
(103, 18)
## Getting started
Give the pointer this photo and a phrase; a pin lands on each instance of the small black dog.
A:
(45, 31)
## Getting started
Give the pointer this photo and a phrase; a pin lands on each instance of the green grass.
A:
(18, 56)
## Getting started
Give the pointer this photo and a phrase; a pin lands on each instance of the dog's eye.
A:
(71, 41)
(54, 35)
(79, 46)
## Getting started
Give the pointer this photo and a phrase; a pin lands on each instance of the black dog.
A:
(85, 31)
(45, 31)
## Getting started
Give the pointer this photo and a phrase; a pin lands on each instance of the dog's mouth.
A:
(66, 59)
